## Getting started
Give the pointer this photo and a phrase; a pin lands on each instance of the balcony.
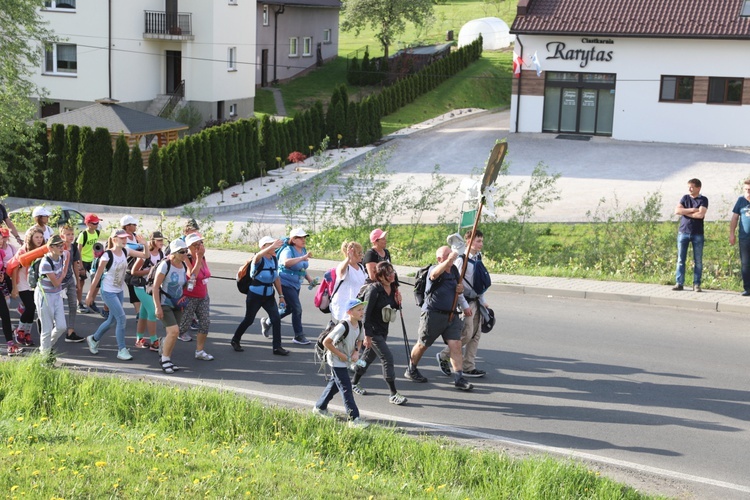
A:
(168, 25)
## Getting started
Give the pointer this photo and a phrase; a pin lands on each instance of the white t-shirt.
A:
(353, 280)
(113, 281)
(346, 345)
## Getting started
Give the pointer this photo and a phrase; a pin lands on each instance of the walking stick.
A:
(494, 163)
(406, 339)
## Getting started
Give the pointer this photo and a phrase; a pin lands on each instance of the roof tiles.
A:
(643, 18)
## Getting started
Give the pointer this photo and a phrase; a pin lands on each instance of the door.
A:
(174, 70)
(264, 68)
(171, 13)
(569, 110)
(587, 120)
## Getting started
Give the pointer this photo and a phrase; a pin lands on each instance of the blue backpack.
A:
(482, 279)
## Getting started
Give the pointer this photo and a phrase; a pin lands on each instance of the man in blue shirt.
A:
(740, 214)
(692, 210)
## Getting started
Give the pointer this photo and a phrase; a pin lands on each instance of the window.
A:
(307, 46)
(232, 59)
(60, 4)
(233, 110)
(60, 58)
(676, 88)
(327, 36)
(725, 90)
(265, 15)
(293, 41)
(745, 8)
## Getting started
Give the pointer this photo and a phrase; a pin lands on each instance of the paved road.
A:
(623, 383)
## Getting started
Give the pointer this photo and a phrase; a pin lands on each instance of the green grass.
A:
(73, 435)
(264, 102)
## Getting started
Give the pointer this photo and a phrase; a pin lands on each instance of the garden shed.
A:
(495, 33)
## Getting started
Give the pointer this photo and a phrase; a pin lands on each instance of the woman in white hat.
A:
(134, 242)
(41, 217)
(197, 305)
(169, 283)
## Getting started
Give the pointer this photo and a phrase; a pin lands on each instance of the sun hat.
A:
(298, 233)
(377, 234)
(177, 245)
(489, 321)
(193, 238)
(91, 219)
(265, 241)
(40, 212)
(128, 219)
(352, 303)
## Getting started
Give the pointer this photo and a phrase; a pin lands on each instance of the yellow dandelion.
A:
(20, 419)
(131, 449)
(35, 473)
(43, 419)
(442, 486)
(116, 485)
(11, 439)
(35, 426)
(355, 477)
(196, 481)
(429, 489)
(14, 487)
(100, 464)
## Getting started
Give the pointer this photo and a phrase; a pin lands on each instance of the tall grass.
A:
(73, 435)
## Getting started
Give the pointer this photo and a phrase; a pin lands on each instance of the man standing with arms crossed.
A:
(692, 210)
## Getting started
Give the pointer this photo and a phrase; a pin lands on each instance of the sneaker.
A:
(358, 422)
(73, 338)
(154, 346)
(397, 399)
(27, 339)
(185, 337)
(14, 350)
(463, 384)
(697, 288)
(280, 351)
(474, 373)
(357, 388)
(236, 345)
(677, 288)
(301, 339)
(19, 336)
(321, 412)
(124, 354)
(93, 308)
(444, 364)
(203, 355)
(414, 375)
(265, 327)
(93, 344)
(82, 309)
(142, 343)
(104, 313)
(194, 325)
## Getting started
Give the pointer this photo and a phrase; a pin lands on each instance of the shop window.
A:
(60, 59)
(307, 46)
(725, 90)
(676, 88)
(293, 42)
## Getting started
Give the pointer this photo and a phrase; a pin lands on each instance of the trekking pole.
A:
(406, 339)
(494, 163)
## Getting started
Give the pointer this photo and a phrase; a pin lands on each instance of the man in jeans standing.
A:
(692, 210)
(741, 215)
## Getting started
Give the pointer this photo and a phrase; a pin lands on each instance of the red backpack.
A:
(326, 291)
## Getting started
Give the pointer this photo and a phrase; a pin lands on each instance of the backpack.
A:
(85, 234)
(34, 271)
(245, 279)
(326, 291)
(151, 278)
(140, 281)
(320, 349)
(420, 284)
(481, 279)
(95, 264)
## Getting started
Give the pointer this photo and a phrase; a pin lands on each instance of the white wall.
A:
(639, 65)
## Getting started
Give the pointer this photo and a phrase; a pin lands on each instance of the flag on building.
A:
(517, 63)
(535, 63)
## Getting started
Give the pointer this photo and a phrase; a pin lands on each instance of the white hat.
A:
(128, 220)
(298, 233)
(177, 245)
(265, 241)
(193, 238)
(40, 212)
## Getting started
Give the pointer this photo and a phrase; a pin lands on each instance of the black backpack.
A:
(420, 284)
(140, 281)
(320, 349)
(151, 278)
(34, 271)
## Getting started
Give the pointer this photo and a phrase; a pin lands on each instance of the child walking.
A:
(342, 348)
(48, 294)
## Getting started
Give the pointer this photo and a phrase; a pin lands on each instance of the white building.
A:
(642, 70)
(135, 51)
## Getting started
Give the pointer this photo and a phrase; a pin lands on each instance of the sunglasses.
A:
(181, 252)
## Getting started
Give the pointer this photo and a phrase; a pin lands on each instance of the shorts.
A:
(434, 324)
(172, 317)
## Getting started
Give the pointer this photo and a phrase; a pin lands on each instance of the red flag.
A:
(517, 63)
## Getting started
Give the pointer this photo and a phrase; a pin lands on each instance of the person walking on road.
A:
(196, 292)
(350, 276)
(169, 283)
(741, 215)
(692, 211)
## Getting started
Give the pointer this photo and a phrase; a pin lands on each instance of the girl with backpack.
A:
(147, 316)
(196, 293)
(48, 294)
(265, 278)
(382, 304)
(110, 273)
(169, 281)
(350, 276)
(21, 289)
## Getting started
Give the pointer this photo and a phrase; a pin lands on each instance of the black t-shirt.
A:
(3, 213)
(377, 299)
(688, 224)
(372, 256)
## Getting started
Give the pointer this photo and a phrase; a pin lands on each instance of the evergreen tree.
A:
(366, 77)
(331, 115)
(350, 134)
(85, 165)
(182, 161)
(254, 148)
(39, 167)
(208, 165)
(197, 142)
(155, 195)
(339, 117)
(242, 147)
(267, 142)
(135, 187)
(376, 129)
(70, 163)
(344, 95)
(168, 162)
(102, 144)
(363, 124)
(55, 164)
(353, 73)
(318, 122)
(119, 178)
(190, 163)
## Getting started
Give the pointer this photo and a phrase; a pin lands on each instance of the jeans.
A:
(745, 260)
(293, 307)
(683, 239)
(253, 303)
(339, 382)
(116, 314)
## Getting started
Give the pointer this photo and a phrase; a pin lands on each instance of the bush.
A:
(136, 179)
(119, 178)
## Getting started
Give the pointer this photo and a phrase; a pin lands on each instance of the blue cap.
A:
(352, 303)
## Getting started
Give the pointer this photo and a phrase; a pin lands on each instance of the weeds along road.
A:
(658, 395)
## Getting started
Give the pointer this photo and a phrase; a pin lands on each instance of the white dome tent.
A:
(495, 33)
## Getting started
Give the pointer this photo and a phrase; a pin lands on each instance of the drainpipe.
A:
(109, 48)
(276, 14)
(520, 79)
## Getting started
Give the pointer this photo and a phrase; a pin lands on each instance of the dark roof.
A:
(642, 18)
(116, 119)
(333, 4)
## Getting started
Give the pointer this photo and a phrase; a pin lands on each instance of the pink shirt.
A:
(201, 283)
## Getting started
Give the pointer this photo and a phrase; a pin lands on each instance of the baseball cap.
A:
(177, 245)
(298, 233)
(156, 235)
(193, 238)
(119, 233)
(265, 241)
(40, 212)
(128, 219)
(55, 240)
(4, 232)
(352, 303)
(376, 234)
(192, 225)
(91, 219)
